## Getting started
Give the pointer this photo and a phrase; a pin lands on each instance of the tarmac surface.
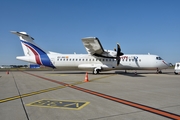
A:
(113, 95)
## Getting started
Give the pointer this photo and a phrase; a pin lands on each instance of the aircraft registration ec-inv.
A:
(96, 60)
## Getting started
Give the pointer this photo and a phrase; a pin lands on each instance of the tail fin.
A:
(32, 52)
(28, 45)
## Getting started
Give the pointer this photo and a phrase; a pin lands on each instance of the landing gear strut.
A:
(158, 71)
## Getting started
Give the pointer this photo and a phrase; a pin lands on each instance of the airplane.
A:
(98, 59)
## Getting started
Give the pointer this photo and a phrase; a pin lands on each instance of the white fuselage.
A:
(89, 62)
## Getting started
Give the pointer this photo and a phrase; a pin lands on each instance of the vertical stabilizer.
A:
(32, 52)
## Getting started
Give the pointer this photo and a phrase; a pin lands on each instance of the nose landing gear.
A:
(158, 71)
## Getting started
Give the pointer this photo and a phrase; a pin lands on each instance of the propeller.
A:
(119, 53)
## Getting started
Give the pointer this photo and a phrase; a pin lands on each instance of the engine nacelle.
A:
(110, 53)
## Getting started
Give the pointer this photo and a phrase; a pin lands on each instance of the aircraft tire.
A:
(175, 73)
(96, 71)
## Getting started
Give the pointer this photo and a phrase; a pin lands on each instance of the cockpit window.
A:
(159, 58)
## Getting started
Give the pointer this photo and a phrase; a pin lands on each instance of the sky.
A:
(140, 26)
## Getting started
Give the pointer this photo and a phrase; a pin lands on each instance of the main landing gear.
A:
(96, 71)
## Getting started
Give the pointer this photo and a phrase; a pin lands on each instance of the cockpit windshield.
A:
(159, 58)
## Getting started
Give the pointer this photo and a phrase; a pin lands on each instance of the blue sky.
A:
(140, 26)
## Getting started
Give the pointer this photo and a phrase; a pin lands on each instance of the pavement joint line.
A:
(45, 90)
(118, 100)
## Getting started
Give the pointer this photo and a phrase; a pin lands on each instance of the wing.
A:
(93, 46)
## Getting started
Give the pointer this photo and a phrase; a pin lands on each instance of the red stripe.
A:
(37, 56)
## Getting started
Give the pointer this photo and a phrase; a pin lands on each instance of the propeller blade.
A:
(119, 53)
(118, 61)
(118, 49)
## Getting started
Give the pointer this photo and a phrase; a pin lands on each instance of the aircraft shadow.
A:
(130, 74)
(102, 73)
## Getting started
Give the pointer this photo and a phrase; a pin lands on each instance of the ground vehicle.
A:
(177, 68)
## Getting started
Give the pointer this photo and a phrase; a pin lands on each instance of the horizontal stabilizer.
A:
(23, 36)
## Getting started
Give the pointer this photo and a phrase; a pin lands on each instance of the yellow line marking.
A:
(30, 94)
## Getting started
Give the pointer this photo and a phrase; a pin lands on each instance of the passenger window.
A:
(177, 65)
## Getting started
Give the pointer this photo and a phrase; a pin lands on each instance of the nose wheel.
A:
(158, 71)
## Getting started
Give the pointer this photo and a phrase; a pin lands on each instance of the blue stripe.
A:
(43, 56)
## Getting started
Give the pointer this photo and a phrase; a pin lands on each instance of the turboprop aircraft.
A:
(97, 59)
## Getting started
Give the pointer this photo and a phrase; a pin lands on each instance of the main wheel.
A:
(96, 71)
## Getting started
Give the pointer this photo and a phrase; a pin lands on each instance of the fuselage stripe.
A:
(36, 54)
